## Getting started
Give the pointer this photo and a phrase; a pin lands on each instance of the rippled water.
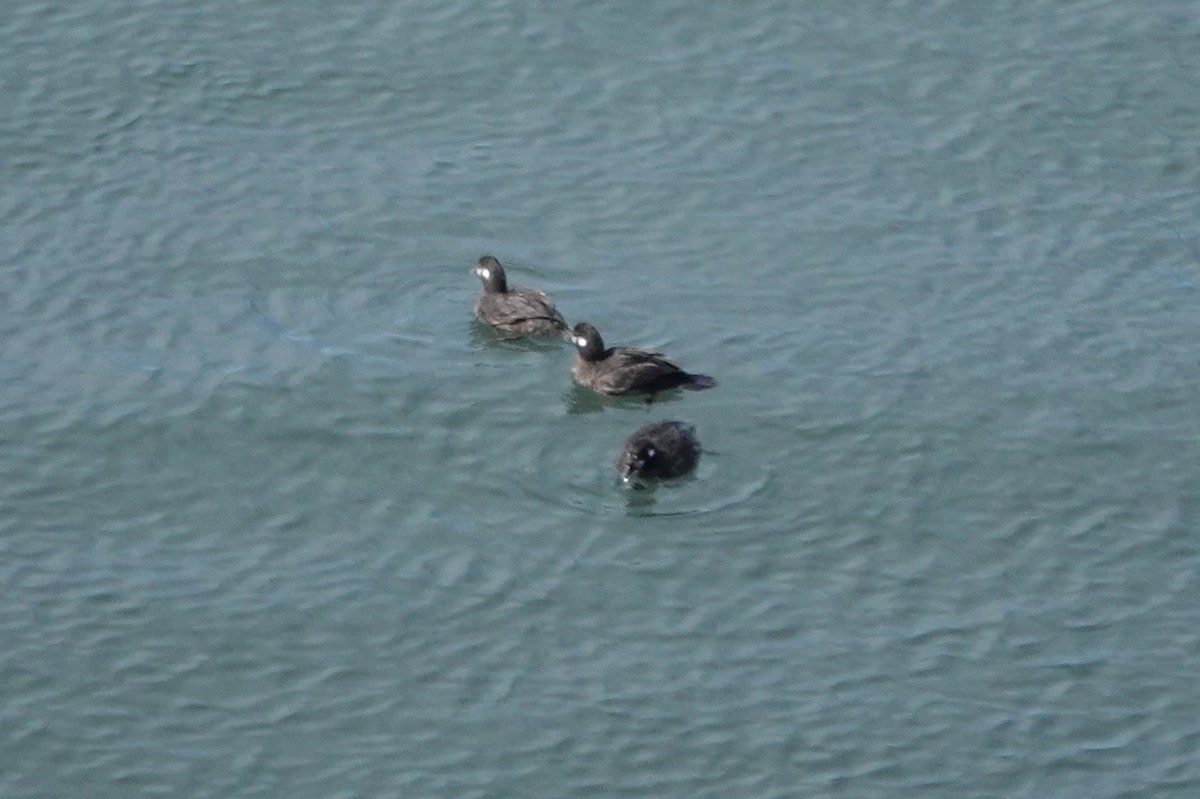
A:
(278, 519)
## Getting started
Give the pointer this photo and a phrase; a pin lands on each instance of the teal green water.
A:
(276, 519)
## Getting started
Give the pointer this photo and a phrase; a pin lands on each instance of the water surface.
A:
(277, 519)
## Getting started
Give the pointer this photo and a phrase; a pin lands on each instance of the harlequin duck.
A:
(626, 370)
(662, 450)
(514, 311)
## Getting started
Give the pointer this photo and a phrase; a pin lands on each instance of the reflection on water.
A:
(579, 400)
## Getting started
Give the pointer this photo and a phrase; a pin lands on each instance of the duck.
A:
(662, 450)
(626, 370)
(514, 310)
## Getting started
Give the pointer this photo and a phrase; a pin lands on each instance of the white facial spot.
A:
(485, 273)
(580, 341)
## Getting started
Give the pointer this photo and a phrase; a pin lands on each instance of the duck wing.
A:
(519, 307)
(643, 370)
(634, 358)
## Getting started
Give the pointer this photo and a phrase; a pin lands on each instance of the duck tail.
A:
(699, 382)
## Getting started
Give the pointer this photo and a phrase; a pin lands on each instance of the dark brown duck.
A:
(514, 310)
(663, 450)
(626, 370)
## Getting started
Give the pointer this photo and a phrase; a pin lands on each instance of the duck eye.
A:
(650, 453)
